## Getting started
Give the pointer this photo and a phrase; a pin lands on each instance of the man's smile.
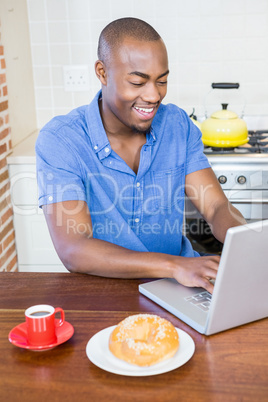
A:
(145, 113)
(146, 110)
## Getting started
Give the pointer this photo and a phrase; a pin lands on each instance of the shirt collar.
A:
(151, 137)
(97, 134)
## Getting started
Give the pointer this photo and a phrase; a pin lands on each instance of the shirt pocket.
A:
(169, 189)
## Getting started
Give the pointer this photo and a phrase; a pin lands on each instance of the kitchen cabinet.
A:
(35, 249)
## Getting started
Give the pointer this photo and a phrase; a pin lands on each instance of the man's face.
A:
(136, 83)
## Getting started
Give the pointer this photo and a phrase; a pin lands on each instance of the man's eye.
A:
(162, 82)
(136, 84)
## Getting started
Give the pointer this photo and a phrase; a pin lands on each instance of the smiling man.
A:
(113, 174)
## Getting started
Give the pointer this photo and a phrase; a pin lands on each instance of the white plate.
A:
(98, 352)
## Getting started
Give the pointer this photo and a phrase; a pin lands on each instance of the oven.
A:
(243, 175)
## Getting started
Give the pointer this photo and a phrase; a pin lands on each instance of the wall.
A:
(8, 257)
(19, 75)
(208, 41)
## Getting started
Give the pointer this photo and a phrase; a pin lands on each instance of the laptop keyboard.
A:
(201, 300)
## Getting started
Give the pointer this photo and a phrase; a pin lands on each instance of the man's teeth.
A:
(142, 109)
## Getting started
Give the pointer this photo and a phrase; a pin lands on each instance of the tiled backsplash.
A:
(207, 40)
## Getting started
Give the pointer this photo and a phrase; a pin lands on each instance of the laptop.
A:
(240, 293)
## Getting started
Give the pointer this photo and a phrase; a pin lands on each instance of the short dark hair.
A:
(114, 33)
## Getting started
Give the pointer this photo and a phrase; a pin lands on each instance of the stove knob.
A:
(222, 179)
(241, 180)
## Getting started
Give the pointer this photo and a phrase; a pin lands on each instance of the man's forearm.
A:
(224, 217)
(98, 257)
(80, 252)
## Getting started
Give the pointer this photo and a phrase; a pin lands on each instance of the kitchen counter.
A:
(24, 152)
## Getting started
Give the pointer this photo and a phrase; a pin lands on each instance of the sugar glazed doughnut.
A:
(144, 339)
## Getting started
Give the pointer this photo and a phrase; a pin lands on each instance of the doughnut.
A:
(144, 340)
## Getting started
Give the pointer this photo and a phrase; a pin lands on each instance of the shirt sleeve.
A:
(58, 170)
(195, 159)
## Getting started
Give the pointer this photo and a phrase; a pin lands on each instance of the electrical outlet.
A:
(76, 78)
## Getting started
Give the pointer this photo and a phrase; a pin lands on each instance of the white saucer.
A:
(98, 352)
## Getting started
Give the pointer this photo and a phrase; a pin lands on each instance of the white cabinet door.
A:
(35, 249)
(23, 185)
(34, 245)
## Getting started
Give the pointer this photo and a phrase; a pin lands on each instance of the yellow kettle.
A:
(224, 129)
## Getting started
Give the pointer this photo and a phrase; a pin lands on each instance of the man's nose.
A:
(151, 93)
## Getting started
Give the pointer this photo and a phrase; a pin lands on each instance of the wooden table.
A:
(230, 366)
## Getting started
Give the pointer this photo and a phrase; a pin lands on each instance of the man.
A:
(112, 175)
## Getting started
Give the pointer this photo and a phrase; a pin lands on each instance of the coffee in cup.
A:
(41, 324)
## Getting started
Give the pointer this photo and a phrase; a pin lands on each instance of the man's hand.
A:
(197, 271)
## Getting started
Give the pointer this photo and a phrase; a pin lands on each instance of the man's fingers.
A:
(206, 284)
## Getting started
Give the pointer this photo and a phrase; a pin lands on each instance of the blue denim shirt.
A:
(143, 211)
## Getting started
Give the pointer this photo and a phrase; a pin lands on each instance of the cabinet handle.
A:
(249, 200)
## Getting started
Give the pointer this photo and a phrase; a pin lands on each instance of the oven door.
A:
(253, 205)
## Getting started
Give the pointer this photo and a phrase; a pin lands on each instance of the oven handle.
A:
(249, 200)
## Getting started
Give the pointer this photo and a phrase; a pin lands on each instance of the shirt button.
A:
(138, 184)
(96, 147)
(106, 149)
(50, 198)
(137, 220)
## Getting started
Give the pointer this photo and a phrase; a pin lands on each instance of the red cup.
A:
(41, 324)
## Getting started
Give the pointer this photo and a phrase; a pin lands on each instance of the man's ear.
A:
(100, 71)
